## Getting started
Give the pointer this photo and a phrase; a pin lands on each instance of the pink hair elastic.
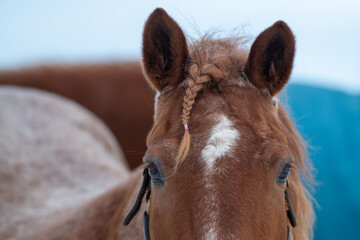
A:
(186, 127)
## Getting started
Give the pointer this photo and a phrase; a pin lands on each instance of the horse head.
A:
(223, 160)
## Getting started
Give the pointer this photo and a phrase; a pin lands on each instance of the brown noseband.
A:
(146, 189)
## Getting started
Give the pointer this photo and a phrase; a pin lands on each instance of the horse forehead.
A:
(222, 138)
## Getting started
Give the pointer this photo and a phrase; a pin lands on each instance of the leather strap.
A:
(144, 187)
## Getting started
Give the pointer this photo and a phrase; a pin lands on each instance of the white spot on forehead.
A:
(223, 137)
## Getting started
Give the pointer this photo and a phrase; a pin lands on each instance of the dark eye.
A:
(155, 174)
(284, 173)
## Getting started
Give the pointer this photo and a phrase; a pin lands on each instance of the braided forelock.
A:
(210, 61)
(198, 77)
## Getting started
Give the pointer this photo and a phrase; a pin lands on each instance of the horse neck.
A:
(102, 217)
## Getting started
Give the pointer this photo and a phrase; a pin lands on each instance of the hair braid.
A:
(195, 82)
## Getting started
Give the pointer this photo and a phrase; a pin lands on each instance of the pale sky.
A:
(48, 31)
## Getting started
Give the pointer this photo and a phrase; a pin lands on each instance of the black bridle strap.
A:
(146, 215)
(146, 226)
(289, 211)
(144, 187)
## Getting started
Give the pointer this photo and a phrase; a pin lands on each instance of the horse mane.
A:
(305, 169)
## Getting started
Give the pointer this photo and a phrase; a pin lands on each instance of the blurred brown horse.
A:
(223, 160)
(115, 92)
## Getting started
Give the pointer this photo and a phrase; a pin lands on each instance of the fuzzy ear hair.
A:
(164, 50)
(271, 58)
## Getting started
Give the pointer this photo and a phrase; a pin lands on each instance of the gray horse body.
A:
(54, 157)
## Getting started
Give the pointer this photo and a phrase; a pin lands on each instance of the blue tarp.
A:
(330, 122)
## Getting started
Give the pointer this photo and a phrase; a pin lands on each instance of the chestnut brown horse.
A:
(223, 160)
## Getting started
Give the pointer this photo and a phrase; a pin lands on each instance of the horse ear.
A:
(164, 50)
(271, 58)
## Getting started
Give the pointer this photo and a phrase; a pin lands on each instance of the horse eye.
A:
(155, 174)
(284, 174)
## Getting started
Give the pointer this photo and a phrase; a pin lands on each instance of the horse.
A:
(55, 156)
(223, 159)
(103, 88)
